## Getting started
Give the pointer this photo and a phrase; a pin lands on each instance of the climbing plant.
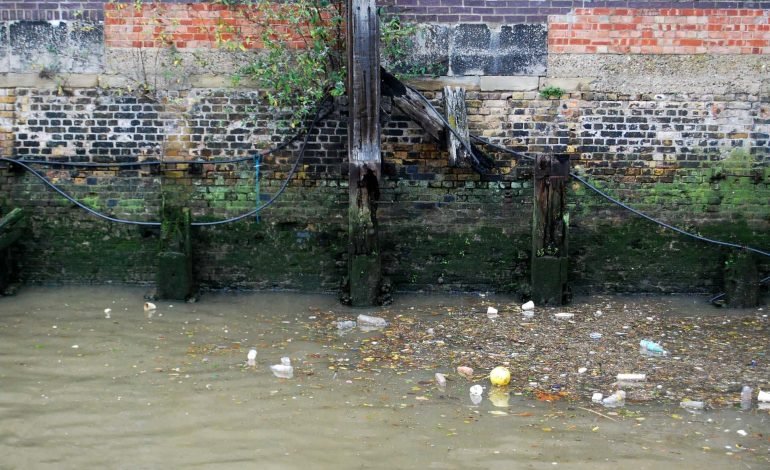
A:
(300, 58)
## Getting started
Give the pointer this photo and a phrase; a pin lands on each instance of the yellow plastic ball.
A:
(500, 376)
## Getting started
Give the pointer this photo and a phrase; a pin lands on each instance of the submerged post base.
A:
(175, 277)
(549, 280)
(740, 277)
(365, 280)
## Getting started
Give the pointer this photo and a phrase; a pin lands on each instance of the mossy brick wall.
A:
(681, 135)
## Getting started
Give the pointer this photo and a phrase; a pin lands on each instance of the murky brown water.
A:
(172, 390)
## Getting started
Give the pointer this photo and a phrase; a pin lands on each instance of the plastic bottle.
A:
(746, 397)
(651, 348)
(615, 400)
(284, 370)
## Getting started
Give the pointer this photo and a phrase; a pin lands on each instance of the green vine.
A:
(301, 57)
(552, 92)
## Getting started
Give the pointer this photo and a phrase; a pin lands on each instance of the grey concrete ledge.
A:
(680, 73)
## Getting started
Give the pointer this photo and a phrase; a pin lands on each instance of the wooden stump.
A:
(175, 277)
(549, 231)
(740, 278)
(457, 117)
(11, 228)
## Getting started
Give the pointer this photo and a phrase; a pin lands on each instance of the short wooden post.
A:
(11, 228)
(549, 231)
(175, 276)
(741, 280)
(364, 161)
(457, 117)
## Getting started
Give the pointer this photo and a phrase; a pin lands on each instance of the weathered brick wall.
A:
(677, 128)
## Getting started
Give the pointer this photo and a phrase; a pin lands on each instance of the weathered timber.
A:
(415, 106)
(175, 276)
(740, 279)
(457, 117)
(549, 231)
(412, 104)
(364, 161)
(11, 228)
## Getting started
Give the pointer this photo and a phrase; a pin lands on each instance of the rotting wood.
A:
(175, 275)
(11, 229)
(364, 161)
(457, 116)
(549, 230)
(413, 104)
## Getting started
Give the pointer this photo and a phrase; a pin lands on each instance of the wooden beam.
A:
(364, 160)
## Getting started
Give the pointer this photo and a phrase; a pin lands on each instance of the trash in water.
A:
(528, 306)
(149, 306)
(251, 357)
(595, 335)
(617, 399)
(651, 348)
(107, 312)
(284, 370)
(582, 370)
(692, 404)
(346, 325)
(492, 313)
(632, 377)
(741, 432)
(465, 371)
(763, 397)
(746, 394)
(367, 321)
(563, 315)
(597, 397)
(500, 376)
(440, 380)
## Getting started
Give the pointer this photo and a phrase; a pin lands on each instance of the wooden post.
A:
(457, 117)
(11, 228)
(364, 163)
(175, 276)
(740, 278)
(549, 231)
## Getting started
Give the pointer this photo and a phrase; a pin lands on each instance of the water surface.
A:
(171, 389)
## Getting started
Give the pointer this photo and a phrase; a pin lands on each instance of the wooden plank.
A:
(457, 117)
(412, 104)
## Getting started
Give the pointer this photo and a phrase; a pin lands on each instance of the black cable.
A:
(318, 116)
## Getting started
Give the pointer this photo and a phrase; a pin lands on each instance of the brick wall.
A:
(7, 100)
(533, 11)
(660, 31)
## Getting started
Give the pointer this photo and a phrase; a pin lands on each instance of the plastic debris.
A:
(763, 397)
(346, 325)
(563, 315)
(528, 306)
(500, 376)
(107, 312)
(651, 348)
(692, 404)
(597, 397)
(251, 357)
(632, 377)
(440, 380)
(595, 335)
(615, 400)
(149, 306)
(582, 370)
(742, 433)
(746, 394)
(492, 313)
(284, 370)
(371, 322)
(465, 371)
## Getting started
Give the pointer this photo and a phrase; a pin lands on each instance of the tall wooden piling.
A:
(11, 229)
(549, 230)
(364, 162)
